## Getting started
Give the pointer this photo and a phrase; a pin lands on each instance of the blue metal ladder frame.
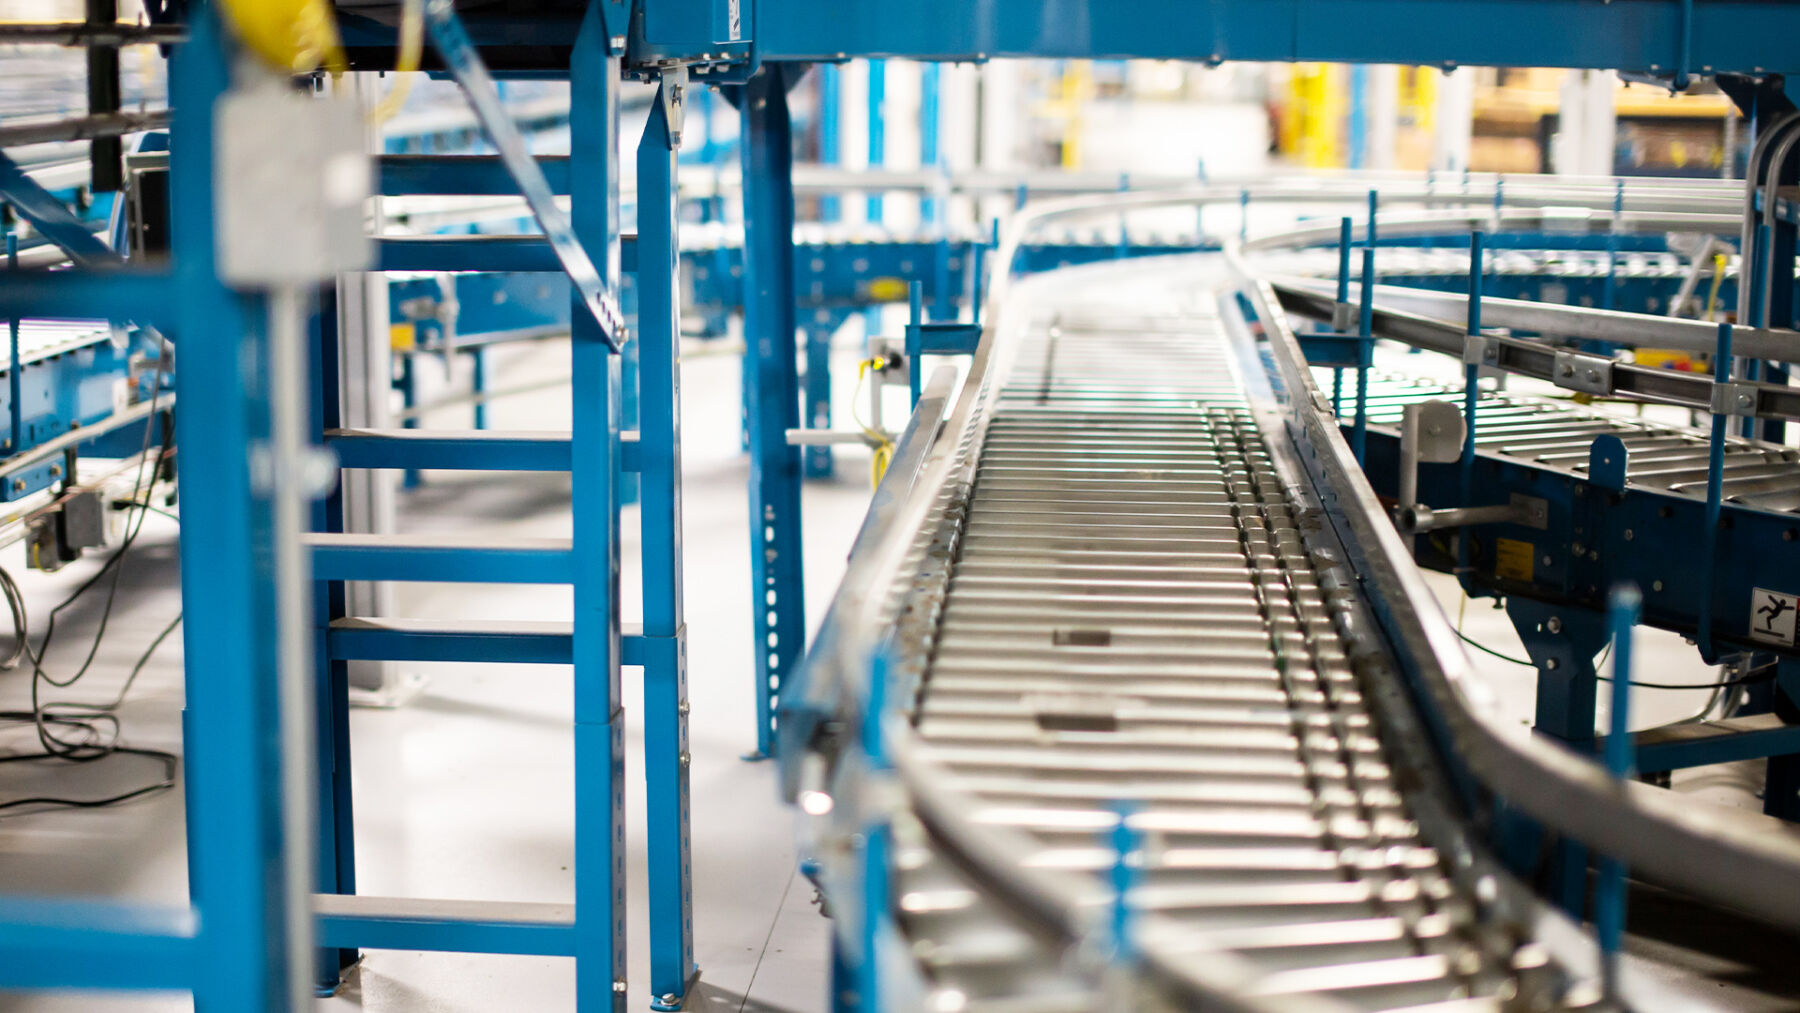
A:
(599, 455)
(229, 946)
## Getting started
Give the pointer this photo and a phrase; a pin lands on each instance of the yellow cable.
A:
(884, 447)
(292, 36)
(412, 48)
(1718, 278)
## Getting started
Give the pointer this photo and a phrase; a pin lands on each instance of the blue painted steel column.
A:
(1715, 487)
(1471, 400)
(1365, 351)
(877, 152)
(819, 460)
(769, 332)
(665, 629)
(231, 721)
(594, 482)
(1621, 754)
(336, 848)
(15, 439)
(930, 124)
(831, 132)
(877, 130)
(478, 384)
(1359, 117)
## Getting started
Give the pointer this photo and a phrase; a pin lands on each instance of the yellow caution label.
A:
(1513, 559)
(888, 289)
(402, 337)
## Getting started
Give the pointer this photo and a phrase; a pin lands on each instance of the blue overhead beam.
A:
(1646, 36)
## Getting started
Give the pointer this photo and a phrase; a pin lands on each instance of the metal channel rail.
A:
(1131, 699)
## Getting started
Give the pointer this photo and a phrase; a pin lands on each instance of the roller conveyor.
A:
(1761, 475)
(1134, 618)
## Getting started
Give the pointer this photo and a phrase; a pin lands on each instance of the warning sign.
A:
(1513, 559)
(1772, 615)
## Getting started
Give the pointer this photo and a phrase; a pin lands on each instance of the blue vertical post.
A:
(878, 844)
(1359, 117)
(930, 126)
(1365, 354)
(877, 159)
(1623, 607)
(1715, 489)
(408, 382)
(877, 130)
(769, 331)
(1243, 214)
(1610, 288)
(236, 844)
(1343, 299)
(831, 131)
(665, 630)
(478, 384)
(1126, 844)
(817, 395)
(335, 853)
(594, 483)
(630, 357)
(1471, 395)
(1374, 210)
(915, 345)
(15, 379)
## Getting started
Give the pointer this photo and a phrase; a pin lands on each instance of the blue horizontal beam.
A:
(135, 294)
(519, 254)
(57, 944)
(471, 450)
(1645, 36)
(455, 640)
(1679, 747)
(461, 175)
(387, 923)
(445, 558)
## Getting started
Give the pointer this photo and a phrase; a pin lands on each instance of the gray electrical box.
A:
(292, 178)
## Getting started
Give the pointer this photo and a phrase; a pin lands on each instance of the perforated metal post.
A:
(769, 330)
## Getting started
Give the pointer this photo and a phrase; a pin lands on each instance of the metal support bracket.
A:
(1591, 374)
(1343, 316)
(1734, 398)
(1480, 350)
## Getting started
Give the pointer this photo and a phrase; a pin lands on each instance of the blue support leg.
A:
(336, 847)
(1562, 642)
(666, 801)
(769, 329)
(594, 483)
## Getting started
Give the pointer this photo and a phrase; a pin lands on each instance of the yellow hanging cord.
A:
(884, 447)
(412, 48)
(293, 36)
(1718, 278)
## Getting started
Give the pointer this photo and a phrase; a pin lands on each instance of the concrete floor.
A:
(465, 792)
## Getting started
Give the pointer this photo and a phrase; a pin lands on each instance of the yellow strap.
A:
(293, 36)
